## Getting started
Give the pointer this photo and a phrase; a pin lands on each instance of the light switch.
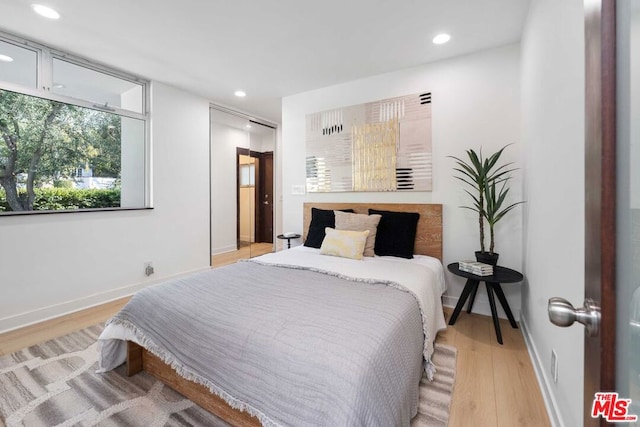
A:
(297, 190)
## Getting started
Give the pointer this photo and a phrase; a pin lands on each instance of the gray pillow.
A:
(358, 222)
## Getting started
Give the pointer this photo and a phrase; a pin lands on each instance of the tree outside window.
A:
(46, 143)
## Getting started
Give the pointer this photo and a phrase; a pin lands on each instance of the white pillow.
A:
(344, 243)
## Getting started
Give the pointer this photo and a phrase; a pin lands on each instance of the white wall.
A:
(553, 157)
(263, 142)
(476, 103)
(55, 263)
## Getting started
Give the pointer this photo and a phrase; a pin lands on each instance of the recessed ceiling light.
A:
(45, 11)
(248, 126)
(59, 86)
(240, 94)
(5, 58)
(441, 38)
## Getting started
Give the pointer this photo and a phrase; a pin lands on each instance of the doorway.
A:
(254, 197)
(242, 183)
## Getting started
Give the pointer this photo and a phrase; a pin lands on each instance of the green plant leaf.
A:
(470, 208)
(494, 211)
(475, 199)
(468, 169)
(473, 178)
(476, 160)
(505, 210)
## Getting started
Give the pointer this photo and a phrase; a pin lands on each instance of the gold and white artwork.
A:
(378, 146)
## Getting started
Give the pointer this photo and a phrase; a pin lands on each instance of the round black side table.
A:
(500, 275)
(288, 237)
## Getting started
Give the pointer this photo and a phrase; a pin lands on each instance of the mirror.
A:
(633, 285)
(242, 190)
(628, 203)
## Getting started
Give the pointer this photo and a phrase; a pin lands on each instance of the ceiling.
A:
(240, 123)
(268, 48)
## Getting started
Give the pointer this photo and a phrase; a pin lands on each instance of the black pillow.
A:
(396, 234)
(320, 219)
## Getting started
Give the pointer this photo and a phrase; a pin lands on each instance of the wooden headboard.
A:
(428, 235)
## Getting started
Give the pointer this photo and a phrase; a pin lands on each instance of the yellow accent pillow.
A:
(344, 243)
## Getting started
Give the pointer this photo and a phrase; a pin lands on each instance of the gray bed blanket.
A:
(290, 346)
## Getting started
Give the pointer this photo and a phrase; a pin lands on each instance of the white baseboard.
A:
(541, 374)
(224, 249)
(28, 318)
(479, 307)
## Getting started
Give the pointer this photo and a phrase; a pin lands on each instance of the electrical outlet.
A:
(554, 365)
(148, 268)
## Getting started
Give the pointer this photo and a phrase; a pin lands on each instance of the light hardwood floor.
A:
(40, 332)
(495, 385)
(256, 249)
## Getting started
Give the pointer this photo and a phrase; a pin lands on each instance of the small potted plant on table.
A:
(488, 184)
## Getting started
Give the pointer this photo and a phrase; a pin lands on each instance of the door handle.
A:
(562, 313)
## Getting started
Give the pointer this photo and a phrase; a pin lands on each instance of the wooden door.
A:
(265, 203)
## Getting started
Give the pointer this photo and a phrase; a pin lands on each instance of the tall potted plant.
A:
(482, 175)
(494, 210)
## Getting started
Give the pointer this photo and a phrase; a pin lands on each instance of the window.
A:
(80, 82)
(248, 175)
(18, 65)
(73, 135)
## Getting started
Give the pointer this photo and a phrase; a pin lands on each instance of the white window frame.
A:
(44, 78)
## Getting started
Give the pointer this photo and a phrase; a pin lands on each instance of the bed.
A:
(294, 337)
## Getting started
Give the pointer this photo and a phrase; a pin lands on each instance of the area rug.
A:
(55, 384)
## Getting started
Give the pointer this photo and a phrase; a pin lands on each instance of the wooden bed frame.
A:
(428, 242)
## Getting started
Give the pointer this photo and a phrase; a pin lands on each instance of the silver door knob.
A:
(562, 313)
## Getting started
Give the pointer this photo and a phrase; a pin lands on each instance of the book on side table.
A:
(475, 267)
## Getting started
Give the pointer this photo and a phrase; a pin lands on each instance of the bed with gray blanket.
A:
(295, 337)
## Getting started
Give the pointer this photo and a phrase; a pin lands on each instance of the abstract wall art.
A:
(378, 146)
